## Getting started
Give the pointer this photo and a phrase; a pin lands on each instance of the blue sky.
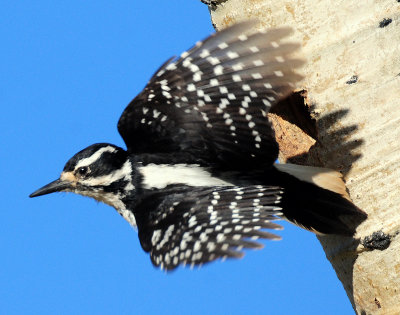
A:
(68, 69)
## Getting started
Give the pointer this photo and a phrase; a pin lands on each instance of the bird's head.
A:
(102, 171)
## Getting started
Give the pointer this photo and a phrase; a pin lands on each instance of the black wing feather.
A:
(211, 103)
(198, 225)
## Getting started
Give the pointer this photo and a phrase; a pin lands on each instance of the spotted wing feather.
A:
(203, 224)
(212, 102)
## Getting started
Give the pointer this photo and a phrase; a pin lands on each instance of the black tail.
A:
(316, 199)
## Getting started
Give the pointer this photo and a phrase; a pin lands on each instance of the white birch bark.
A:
(353, 53)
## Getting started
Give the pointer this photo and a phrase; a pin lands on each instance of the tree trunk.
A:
(352, 124)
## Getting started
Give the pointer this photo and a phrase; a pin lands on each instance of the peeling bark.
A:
(353, 94)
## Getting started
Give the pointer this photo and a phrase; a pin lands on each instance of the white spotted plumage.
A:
(240, 72)
(198, 177)
(218, 227)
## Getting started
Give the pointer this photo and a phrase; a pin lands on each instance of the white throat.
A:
(113, 201)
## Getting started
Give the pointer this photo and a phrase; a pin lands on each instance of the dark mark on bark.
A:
(378, 240)
(385, 22)
(352, 80)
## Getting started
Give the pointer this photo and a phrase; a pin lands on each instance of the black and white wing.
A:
(211, 104)
(195, 225)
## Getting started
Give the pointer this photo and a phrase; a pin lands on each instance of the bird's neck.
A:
(118, 189)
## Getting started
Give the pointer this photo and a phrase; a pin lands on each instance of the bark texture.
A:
(352, 124)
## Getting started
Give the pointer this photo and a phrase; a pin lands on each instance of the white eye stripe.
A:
(105, 180)
(94, 157)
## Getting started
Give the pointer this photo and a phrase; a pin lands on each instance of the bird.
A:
(198, 179)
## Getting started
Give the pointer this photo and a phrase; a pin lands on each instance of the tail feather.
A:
(322, 177)
(316, 199)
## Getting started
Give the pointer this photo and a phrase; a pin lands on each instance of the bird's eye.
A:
(82, 171)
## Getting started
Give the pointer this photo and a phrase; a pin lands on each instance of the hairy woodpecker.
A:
(198, 177)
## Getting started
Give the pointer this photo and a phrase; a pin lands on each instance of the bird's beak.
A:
(57, 185)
